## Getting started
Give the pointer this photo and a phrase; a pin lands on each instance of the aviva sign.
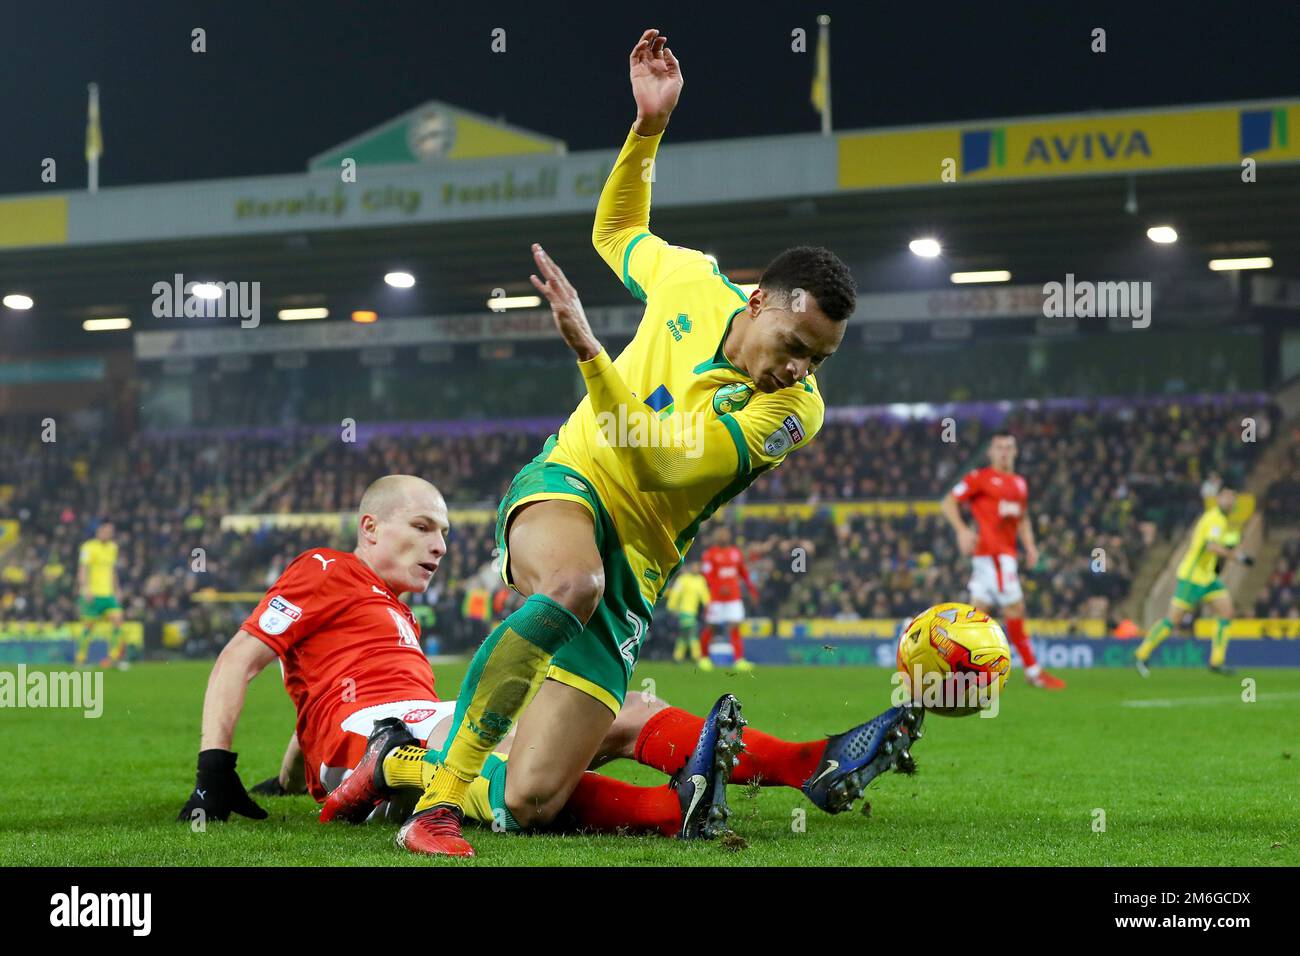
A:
(1080, 145)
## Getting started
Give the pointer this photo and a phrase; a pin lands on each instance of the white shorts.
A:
(725, 612)
(995, 583)
(420, 717)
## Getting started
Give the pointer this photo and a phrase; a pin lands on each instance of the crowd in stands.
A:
(1103, 486)
(1281, 594)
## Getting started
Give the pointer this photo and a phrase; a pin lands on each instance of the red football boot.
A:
(435, 832)
(364, 788)
(1047, 682)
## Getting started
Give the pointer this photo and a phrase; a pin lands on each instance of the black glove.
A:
(270, 787)
(218, 791)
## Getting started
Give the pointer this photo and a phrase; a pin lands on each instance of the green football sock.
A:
(1219, 643)
(502, 818)
(502, 678)
(1159, 631)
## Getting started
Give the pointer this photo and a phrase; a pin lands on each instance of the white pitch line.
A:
(1229, 699)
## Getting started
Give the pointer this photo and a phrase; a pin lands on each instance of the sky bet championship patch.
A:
(787, 436)
(279, 614)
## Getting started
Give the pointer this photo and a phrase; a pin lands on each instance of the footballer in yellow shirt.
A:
(715, 389)
(1198, 582)
(97, 587)
(688, 593)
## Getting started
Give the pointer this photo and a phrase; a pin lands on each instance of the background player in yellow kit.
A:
(715, 389)
(687, 596)
(1198, 581)
(97, 590)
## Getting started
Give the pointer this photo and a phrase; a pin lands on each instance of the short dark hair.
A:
(817, 271)
(1002, 433)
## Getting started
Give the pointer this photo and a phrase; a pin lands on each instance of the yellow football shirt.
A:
(675, 366)
(687, 594)
(100, 557)
(1198, 564)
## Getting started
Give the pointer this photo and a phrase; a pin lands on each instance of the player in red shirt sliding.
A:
(363, 691)
(723, 566)
(999, 503)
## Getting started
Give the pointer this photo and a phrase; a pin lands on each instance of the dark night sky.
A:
(283, 81)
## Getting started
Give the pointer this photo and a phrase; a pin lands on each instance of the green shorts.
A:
(98, 606)
(599, 661)
(688, 622)
(1189, 595)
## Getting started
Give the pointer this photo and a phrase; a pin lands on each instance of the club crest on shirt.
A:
(279, 614)
(732, 398)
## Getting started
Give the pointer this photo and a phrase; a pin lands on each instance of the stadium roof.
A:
(740, 200)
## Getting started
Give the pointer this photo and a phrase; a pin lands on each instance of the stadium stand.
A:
(1111, 475)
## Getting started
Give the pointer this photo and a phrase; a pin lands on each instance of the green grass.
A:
(1202, 780)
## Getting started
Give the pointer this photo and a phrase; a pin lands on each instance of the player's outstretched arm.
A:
(623, 212)
(655, 465)
(218, 791)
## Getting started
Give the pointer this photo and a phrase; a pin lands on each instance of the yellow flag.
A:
(94, 138)
(822, 73)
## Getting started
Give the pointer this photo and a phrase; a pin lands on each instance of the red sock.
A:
(605, 804)
(737, 643)
(667, 739)
(1016, 632)
(706, 638)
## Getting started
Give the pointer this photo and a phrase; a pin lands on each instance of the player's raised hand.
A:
(566, 307)
(656, 82)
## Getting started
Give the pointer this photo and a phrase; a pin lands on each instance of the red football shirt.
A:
(998, 500)
(344, 641)
(724, 569)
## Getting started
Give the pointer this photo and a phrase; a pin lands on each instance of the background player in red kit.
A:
(723, 566)
(999, 503)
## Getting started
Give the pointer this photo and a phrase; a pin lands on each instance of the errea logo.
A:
(680, 326)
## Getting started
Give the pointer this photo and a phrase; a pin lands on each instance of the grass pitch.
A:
(1184, 771)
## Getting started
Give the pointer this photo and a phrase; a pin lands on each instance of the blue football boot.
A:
(701, 784)
(854, 758)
